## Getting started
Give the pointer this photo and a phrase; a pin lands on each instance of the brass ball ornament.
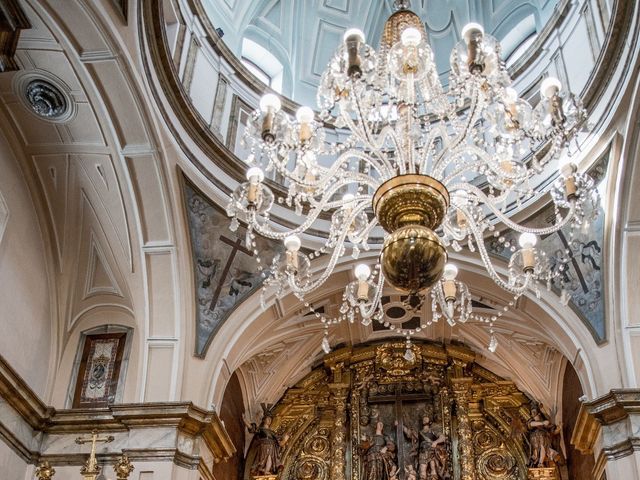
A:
(413, 258)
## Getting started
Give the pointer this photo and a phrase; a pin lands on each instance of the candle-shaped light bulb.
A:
(353, 38)
(269, 105)
(449, 285)
(255, 175)
(292, 243)
(472, 34)
(460, 200)
(304, 116)
(363, 272)
(527, 241)
(568, 172)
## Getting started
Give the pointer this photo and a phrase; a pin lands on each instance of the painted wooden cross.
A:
(90, 469)
(236, 246)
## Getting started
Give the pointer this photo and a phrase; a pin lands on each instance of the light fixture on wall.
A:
(436, 169)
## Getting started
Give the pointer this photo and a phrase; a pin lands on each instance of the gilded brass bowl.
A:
(412, 258)
(410, 200)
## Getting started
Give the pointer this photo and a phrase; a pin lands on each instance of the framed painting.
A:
(99, 370)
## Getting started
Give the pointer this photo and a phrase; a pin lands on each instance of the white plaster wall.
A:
(25, 309)
(12, 467)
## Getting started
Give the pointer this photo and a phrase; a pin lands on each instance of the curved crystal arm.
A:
(335, 256)
(443, 160)
(510, 223)
(484, 255)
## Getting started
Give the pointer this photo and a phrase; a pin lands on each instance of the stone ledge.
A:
(184, 419)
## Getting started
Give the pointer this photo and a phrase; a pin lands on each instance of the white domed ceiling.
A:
(291, 41)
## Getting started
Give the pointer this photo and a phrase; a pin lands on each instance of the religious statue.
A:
(429, 445)
(541, 433)
(268, 446)
(378, 456)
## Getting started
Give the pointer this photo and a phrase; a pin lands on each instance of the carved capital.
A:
(608, 417)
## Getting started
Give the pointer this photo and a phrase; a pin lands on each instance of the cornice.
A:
(15, 391)
(187, 418)
(603, 412)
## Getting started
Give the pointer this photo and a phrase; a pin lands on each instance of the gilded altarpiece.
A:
(376, 413)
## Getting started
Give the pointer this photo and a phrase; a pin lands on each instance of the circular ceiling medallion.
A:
(45, 96)
(46, 100)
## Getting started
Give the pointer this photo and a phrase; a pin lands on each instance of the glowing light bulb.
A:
(550, 86)
(510, 95)
(411, 37)
(354, 34)
(304, 115)
(270, 103)
(470, 30)
(568, 169)
(292, 243)
(255, 175)
(527, 240)
(450, 271)
(362, 272)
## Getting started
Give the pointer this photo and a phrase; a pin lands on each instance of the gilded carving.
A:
(372, 413)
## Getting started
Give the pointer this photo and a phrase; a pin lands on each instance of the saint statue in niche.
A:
(378, 455)
(429, 451)
(541, 435)
(268, 446)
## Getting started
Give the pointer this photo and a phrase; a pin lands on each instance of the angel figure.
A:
(268, 446)
(541, 433)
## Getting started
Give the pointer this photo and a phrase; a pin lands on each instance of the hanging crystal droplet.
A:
(493, 343)
(409, 356)
(234, 224)
(326, 348)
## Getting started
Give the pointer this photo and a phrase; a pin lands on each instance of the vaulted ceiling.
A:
(303, 35)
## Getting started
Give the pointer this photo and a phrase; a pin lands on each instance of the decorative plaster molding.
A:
(12, 21)
(188, 424)
(606, 418)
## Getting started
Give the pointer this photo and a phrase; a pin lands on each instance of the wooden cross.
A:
(236, 246)
(90, 468)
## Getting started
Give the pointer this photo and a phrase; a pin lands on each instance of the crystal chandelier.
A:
(427, 170)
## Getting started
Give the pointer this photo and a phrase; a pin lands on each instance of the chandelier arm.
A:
(374, 146)
(495, 276)
(335, 256)
(511, 224)
(433, 136)
(440, 165)
(311, 217)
